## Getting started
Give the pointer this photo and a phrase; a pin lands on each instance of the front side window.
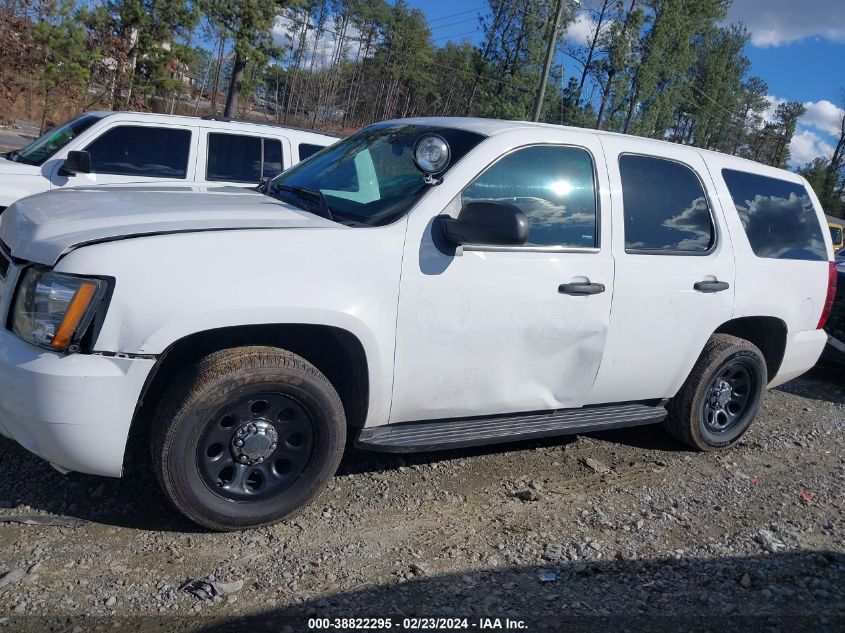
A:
(369, 178)
(553, 185)
(42, 148)
(134, 150)
(665, 207)
(239, 158)
(778, 216)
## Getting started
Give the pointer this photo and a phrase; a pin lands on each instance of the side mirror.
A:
(486, 223)
(76, 163)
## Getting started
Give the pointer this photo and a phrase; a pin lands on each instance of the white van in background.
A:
(116, 147)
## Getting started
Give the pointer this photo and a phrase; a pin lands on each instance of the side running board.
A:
(432, 435)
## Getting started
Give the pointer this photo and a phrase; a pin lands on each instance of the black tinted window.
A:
(141, 151)
(552, 185)
(234, 157)
(238, 158)
(665, 206)
(778, 216)
(272, 158)
(307, 149)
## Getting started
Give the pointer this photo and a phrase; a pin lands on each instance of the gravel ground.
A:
(621, 530)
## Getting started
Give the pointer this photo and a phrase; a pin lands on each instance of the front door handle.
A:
(580, 288)
(711, 286)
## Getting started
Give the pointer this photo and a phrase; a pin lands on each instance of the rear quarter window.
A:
(778, 216)
(308, 149)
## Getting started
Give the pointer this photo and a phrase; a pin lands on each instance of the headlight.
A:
(53, 310)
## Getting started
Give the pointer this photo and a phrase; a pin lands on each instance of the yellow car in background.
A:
(837, 231)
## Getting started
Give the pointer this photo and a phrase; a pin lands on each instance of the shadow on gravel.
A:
(825, 382)
(795, 591)
(136, 501)
(133, 502)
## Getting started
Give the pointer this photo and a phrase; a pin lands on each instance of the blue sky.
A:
(797, 47)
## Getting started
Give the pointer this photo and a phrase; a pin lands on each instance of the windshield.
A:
(369, 178)
(45, 146)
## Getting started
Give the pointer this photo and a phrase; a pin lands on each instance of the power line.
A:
(443, 26)
(454, 15)
(447, 37)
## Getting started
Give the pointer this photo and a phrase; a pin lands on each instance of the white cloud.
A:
(807, 145)
(581, 31)
(774, 102)
(779, 22)
(823, 115)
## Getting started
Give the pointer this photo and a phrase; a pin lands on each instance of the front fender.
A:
(168, 287)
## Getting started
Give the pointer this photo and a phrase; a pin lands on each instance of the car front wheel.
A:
(247, 437)
(721, 396)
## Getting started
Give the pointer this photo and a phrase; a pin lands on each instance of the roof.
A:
(212, 122)
(491, 127)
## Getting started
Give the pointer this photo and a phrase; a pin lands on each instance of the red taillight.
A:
(831, 294)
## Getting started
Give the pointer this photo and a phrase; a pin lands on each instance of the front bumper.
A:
(74, 411)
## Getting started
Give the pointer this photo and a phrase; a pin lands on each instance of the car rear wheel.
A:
(721, 396)
(247, 437)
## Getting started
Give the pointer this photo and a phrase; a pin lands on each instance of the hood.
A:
(10, 167)
(43, 227)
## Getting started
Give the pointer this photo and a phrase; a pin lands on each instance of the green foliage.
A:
(669, 69)
(61, 52)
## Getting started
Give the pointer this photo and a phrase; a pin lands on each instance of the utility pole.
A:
(547, 66)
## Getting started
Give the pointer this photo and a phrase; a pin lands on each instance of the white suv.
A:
(423, 284)
(113, 147)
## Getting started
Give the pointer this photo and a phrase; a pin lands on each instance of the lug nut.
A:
(243, 459)
(260, 459)
(239, 443)
(272, 447)
(252, 429)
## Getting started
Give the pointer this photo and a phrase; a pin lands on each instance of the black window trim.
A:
(717, 234)
(144, 124)
(260, 138)
(542, 249)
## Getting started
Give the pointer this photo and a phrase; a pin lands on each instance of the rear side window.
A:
(553, 185)
(307, 149)
(778, 216)
(666, 209)
(239, 158)
(272, 165)
(130, 150)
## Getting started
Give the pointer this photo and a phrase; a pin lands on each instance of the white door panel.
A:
(659, 322)
(488, 332)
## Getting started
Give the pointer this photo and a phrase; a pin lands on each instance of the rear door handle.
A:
(711, 286)
(580, 288)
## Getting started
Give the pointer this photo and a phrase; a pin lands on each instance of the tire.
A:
(705, 415)
(247, 437)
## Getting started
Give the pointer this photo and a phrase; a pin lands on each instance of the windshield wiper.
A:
(314, 195)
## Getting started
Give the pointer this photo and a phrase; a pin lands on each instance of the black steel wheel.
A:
(256, 446)
(247, 437)
(721, 397)
(728, 398)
